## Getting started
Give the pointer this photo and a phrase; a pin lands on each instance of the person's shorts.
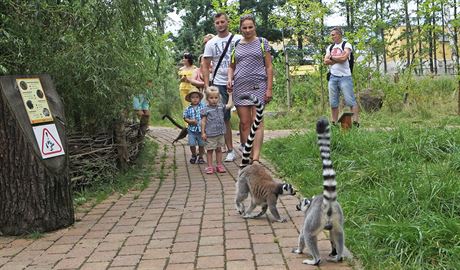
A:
(213, 143)
(341, 84)
(194, 139)
(140, 103)
(223, 93)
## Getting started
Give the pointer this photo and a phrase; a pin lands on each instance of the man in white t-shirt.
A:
(212, 53)
(340, 80)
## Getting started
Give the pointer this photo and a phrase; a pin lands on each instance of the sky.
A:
(174, 23)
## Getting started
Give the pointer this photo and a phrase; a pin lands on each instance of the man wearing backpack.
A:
(339, 58)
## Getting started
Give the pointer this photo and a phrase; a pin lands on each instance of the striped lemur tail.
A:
(248, 145)
(324, 142)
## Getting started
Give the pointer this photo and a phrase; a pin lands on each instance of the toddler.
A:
(192, 115)
(213, 127)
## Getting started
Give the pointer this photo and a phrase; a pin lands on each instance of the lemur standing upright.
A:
(323, 212)
(252, 178)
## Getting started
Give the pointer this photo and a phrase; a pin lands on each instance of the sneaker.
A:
(231, 156)
(200, 160)
(193, 159)
(356, 124)
(241, 148)
(220, 168)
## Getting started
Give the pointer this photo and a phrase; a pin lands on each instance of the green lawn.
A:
(399, 189)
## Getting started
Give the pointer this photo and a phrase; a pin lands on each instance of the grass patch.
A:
(135, 178)
(399, 191)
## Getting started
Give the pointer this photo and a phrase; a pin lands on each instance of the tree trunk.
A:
(407, 34)
(457, 53)
(435, 47)
(443, 38)
(419, 36)
(430, 43)
(35, 193)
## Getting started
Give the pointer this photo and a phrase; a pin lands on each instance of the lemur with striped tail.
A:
(253, 179)
(323, 211)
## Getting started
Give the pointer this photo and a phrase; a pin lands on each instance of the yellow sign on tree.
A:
(34, 100)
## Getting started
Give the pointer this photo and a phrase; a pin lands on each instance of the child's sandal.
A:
(200, 160)
(220, 168)
(209, 170)
(193, 159)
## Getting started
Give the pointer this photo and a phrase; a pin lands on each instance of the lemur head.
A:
(287, 189)
(303, 205)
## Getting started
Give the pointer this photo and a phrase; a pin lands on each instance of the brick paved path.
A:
(184, 220)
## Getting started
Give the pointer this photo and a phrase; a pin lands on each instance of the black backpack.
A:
(351, 58)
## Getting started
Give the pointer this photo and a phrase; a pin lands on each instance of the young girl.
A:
(213, 127)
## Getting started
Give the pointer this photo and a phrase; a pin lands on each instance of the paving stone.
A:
(182, 257)
(95, 266)
(152, 264)
(210, 262)
(211, 250)
(126, 260)
(239, 265)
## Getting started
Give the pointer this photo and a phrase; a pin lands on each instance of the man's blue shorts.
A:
(194, 139)
(341, 84)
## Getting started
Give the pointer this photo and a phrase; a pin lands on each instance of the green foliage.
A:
(98, 53)
(399, 190)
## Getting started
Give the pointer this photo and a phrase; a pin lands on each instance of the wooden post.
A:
(35, 190)
(345, 120)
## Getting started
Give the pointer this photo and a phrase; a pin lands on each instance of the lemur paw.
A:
(312, 262)
(334, 259)
(281, 220)
(248, 216)
(296, 251)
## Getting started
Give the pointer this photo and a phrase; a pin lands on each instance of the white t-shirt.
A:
(214, 48)
(339, 69)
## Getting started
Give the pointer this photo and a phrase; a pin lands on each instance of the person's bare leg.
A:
(355, 110)
(228, 136)
(209, 157)
(193, 150)
(244, 113)
(335, 114)
(200, 151)
(219, 156)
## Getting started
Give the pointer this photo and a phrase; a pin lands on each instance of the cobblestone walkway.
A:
(184, 220)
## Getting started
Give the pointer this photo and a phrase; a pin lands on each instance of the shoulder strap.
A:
(262, 47)
(232, 56)
(223, 54)
(330, 47)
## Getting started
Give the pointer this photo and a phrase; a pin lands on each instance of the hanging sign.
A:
(48, 141)
(34, 100)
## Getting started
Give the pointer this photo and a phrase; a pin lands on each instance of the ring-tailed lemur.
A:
(323, 212)
(252, 178)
